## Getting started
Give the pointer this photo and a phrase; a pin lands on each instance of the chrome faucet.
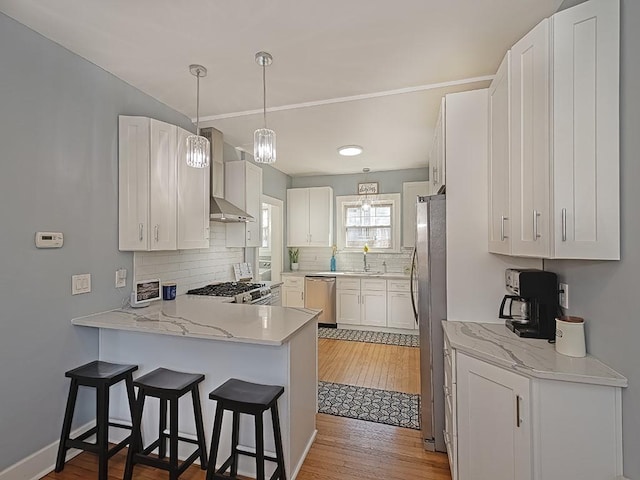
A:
(364, 257)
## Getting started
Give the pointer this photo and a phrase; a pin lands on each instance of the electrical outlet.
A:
(121, 278)
(563, 295)
(80, 284)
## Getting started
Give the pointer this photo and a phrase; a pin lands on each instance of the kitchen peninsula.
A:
(257, 343)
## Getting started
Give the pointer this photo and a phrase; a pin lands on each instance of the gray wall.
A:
(604, 293)
(58, 151)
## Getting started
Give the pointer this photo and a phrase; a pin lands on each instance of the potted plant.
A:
(293, 258)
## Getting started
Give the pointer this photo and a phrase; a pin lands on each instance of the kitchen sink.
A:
(360, 273)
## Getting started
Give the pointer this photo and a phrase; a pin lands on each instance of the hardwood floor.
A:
(344, 448)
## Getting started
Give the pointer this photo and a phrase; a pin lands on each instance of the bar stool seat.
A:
(249, 398)
(168, 386)
(101, 376)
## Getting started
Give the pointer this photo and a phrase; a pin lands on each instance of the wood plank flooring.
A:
(344, 448)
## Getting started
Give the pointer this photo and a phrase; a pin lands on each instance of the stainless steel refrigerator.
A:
(429, 298)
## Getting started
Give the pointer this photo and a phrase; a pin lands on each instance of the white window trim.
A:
(394, 198)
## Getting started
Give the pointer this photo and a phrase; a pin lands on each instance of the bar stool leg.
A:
(215, 442)
(275, 418)
(235, 432)
(173, 438)
(66, 425)
(197, 415)
(162, 426)
(259, 447)
(135, 445)
(131, 397)
(102, 436)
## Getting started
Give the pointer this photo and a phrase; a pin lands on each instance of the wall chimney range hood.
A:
(221, 210)
(227, 212)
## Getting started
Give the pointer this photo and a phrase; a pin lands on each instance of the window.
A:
(378, 226)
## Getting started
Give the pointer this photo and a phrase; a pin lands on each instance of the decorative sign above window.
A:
(370, 188)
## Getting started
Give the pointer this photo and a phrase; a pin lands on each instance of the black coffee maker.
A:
(532, 306)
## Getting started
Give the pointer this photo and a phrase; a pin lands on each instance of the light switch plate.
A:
(121, 278)
(80, 284)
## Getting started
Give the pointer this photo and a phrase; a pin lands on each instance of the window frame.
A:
(396, 221)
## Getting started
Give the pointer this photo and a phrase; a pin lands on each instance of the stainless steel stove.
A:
(242, 292)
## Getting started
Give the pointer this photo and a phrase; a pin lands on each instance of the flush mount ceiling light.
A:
(197, 148)
(264, 140)
(350, 150)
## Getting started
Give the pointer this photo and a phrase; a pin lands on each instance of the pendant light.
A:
(264, 140)
(197, 148)
(365, 201)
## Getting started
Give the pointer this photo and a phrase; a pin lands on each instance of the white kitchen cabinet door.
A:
(493, 422)
(410, 192)
(217, 164)
(320, 217)
(438, 155)
(193, 201)
(293, 297)
(310, 217)
(133, 183)
(374, 308)
(530, 174)
(499, 159)
(399, 310)
(297, 217)
(586, 131)
(243, 188)
(348, 306)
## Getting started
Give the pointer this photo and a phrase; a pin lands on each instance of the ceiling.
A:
(366, 72)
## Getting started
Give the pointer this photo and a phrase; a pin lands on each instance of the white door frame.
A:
(277, 235)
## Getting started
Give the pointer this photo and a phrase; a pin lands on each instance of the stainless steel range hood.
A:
(226, 212)
(221, 210)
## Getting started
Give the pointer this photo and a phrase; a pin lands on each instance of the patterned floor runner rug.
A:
(370, 404)
(400, 339)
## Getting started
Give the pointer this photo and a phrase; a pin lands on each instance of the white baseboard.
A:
(40, 463)
(304, 456)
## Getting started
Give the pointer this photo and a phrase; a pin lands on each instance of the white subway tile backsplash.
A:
(318, 259)
(191, 268)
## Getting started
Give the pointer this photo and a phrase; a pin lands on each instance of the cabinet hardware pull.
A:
(536, 235)
(564, 224)
(248, 234)
(502, 235)
(518, 419)
(140, 231)
(156, 233)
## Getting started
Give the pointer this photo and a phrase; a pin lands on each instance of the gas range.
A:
(242, 292)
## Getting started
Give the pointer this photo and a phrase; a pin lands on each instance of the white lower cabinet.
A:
(500, 425)
(399, 309)
(361, 301)
(293, 292)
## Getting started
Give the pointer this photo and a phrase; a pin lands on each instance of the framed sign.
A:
(370, 188)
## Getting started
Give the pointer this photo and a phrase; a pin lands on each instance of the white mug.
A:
(570, 336)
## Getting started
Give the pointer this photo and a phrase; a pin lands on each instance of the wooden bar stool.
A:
(252, 399)
(101, 376)
(168, 386)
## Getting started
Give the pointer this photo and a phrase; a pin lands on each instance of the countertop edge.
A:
(534, 373)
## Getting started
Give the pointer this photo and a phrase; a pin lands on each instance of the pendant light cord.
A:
(264, 95)
(198, 102)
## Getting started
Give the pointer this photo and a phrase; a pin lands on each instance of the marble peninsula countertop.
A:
(494, 343)
(207, 317)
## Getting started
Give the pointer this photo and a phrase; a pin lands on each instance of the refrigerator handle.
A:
(411, 279)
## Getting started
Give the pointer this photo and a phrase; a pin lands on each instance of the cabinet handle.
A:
(564, 224)
(536, 235)
(156, 232)
(248, 234)
(140, 231)
(435, 175)
(518, 419)
(502, 235)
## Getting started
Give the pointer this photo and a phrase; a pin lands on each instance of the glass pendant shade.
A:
(365, 205)
(264, 146)
(197, 150)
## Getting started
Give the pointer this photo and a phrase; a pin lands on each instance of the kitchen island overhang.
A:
(256, 343)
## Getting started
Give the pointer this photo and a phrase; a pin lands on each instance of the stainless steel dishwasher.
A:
(320, 293)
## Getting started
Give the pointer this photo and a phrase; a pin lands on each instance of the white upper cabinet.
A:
(564, 136)
(193, 201)
(499, 159)
(530, 143)
(243, 188)
(147, 184)
(410, 192)
(437, 156)
(586, 214)
(310, 217)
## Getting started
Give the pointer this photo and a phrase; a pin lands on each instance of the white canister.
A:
(570, 336)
